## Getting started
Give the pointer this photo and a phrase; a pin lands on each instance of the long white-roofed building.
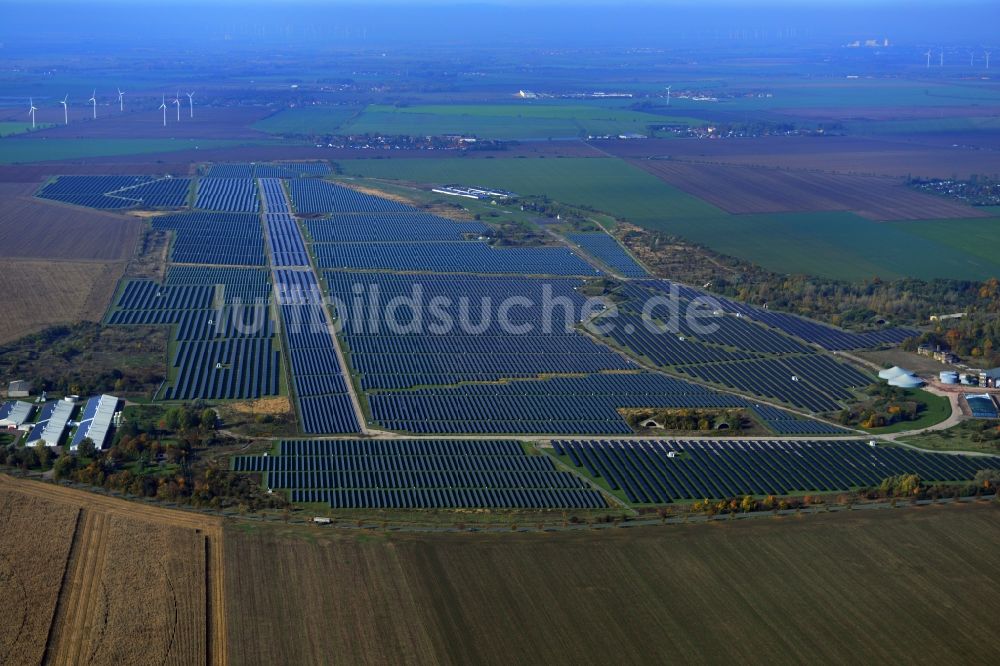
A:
(15, 413)
(95, 422)
(52, 423)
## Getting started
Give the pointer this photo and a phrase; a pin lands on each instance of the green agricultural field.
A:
(817, 589)
(308, 120)
(15, 151)
(8, 128)
(836, 245)
(517, 120)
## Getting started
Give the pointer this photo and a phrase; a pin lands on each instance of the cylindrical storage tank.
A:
(949, 377)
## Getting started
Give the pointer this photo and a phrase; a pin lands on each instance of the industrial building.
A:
(15, 414)
(52, 423)
(990, 378)
(95, 422)
(981, 405)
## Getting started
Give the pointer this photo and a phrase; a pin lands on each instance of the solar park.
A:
(244, 297)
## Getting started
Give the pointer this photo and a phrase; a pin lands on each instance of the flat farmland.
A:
(878, 156)
(29, 149)
(31, 227)
(820, 589)
(208, 123)
(309, 120)
(835, 244)
(40, 293)
(740, 190)
(140, 583)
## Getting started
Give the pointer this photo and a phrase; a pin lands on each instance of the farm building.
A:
(95, 422)
(989, 377)
(52, 423)
(19, 389)
(15, 413)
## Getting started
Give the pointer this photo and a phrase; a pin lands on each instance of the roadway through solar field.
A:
(355, 403)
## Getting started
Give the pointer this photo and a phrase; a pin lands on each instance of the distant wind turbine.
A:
(987, 54)
(668, 95)
(191, 102)
(31, 111)
(65, 103)
(163, 105)
(93, 100)
(121, 100)
(177, 103)
(928, 54)
(972, 58)
(942, 58)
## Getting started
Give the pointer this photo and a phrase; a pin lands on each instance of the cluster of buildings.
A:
(938, 353)
(474, 192)
(66, 422)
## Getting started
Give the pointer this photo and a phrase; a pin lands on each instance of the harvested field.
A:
(820, 589)
(31, 227)
(38, 173)
(141, 584)
(35, 538)
(739, 190)
(849, 155)
(40, 293)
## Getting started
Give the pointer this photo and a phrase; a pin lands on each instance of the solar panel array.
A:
(52, 423)
(647, 473)
(310, 195)
(452, 257)
(607, 250)
(420, 474)
(728, 350)
(90, 191)
(827, 337)
(317, 375)
(233, 195)
(268, 170)
(15, 412)
(558, 405)
(215, 238)
(383, 227)
(222, 331)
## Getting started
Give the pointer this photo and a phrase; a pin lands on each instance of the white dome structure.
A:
(894, 371)
(906, 381)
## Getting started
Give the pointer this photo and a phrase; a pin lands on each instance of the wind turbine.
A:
(93, 100)
(31, 111)
(177, 103)
(191, 102)
(972, 58)
(65, 103)
(668, 95)
(928, 54)
(121, 100)
(987, 54)
(942, 58)
(163, 105)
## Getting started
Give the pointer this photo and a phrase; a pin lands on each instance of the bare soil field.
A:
(208, 123)
(41, 292)
(142, 584)
(35, 538)
(768, 190)
(31, 227)
(849, 155)
(914, 112)
(816, 589)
